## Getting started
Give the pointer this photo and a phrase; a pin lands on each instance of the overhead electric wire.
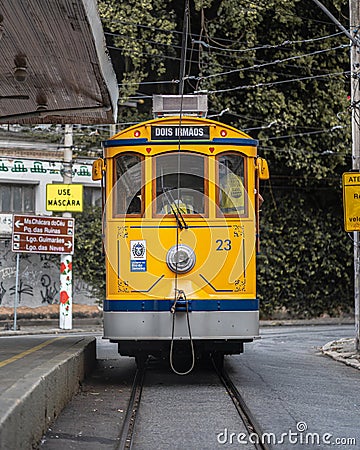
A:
(225, 49)
(265, 46)
(277, 61)
(308, 133)
(223, 53)
(193, 77)
(230, 41)
(271, 83)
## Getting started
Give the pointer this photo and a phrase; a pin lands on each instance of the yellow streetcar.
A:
(181, 227)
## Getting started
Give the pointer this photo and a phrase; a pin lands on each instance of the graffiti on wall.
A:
(39, 280)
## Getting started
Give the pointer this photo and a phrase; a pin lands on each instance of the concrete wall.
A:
(39, 279)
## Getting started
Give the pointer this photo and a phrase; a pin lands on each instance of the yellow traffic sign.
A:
(351, 200)
(64, 197)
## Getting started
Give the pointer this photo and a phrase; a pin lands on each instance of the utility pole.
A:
(66, 299)
(354, 7)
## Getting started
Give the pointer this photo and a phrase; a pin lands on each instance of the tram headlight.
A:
(180, 258)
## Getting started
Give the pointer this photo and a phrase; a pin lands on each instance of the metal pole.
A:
(16, 300)
(354, 7)
(66, 299)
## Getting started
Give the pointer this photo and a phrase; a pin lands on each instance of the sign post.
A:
(16, 296)
(66, 296)
(41, 234)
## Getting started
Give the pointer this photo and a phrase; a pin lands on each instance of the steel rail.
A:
(128, 427)
(250, 423)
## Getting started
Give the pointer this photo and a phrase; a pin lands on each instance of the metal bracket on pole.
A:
(16, 299)
(353, 39)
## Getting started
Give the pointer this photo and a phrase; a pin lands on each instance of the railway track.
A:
(128, 427)
(248, 419)
(251, 425)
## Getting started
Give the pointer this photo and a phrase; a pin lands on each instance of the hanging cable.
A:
(179, 295)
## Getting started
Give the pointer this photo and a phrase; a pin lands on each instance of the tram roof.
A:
(145, 134)
(183, 121)
(58, 48)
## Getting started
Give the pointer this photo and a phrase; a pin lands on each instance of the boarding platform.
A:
(39, 374)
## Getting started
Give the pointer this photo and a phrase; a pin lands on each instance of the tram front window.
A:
(231, 190)
(180, 181)
(128, 187)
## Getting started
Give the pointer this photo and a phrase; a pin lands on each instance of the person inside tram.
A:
(231, 189)
(184, 204)
(135, 204)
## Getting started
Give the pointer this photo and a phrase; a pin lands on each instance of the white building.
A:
(25, 170)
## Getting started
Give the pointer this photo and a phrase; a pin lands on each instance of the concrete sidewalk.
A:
(344, 351)
(38, 377)
(49, 326)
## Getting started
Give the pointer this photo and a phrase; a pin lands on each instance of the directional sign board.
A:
(43, 234)
(351, 200)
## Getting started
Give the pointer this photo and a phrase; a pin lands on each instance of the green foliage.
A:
(303, 126)
(88, 260)
(305, 262)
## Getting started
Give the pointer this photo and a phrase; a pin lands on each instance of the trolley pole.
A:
(354, 7)
(66, 300)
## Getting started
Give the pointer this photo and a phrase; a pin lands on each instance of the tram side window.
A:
(128, 188)
(180, 179)
(231, 189)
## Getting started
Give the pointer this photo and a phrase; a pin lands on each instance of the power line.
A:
(226, 49)
(253, 68)
(308, 133)
(265, 46)
(278, 61)
(230, 41)
(271, 83)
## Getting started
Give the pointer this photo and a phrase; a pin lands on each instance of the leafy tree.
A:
(89, 261)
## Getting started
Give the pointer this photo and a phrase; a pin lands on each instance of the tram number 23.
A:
(223, 245)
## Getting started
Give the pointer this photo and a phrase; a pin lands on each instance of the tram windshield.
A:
(128, 187)
(180, 181)
(231, 187)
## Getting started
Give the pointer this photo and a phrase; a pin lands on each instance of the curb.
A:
(307, 322)
(343, 350)
(33, 402)
(44, 330)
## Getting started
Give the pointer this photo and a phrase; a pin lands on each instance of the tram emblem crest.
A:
(138, 250)
(138, 256)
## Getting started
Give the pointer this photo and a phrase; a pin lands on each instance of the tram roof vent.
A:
(172, 105)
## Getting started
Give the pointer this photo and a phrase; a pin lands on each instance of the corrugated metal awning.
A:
(59, 46)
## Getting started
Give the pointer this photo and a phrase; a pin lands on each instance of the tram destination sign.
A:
(173, 132)
(43, 234)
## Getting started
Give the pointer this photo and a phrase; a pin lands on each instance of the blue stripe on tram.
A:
(194, 305)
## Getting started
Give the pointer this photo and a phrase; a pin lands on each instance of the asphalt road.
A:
(290, 386)
(301, 399)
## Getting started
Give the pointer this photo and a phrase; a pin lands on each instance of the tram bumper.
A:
(155, 328)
